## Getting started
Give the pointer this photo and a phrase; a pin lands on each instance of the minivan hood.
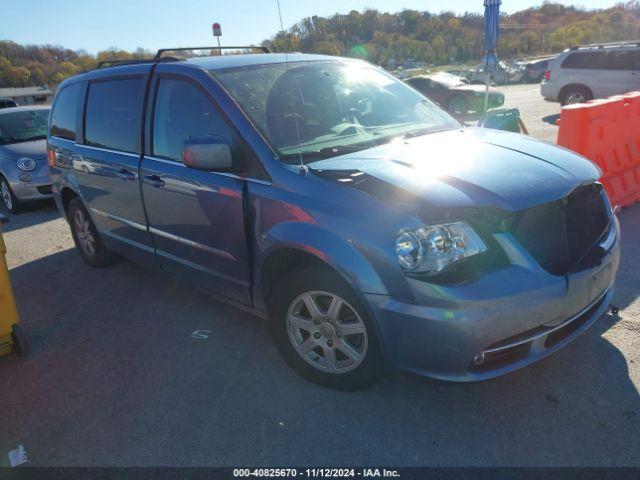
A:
(471, 167)
(36, 149)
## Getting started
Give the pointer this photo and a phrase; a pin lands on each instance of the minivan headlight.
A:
(26, 164)
(433, 248)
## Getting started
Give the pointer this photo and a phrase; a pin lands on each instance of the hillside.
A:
(444, 38)
(382, 38)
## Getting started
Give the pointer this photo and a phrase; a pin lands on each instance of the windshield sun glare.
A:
(326, 108)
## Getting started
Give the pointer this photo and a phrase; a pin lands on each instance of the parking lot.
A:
(128, 367)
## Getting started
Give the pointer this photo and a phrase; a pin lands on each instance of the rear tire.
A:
(86, 236)
(9, 200)
(573, 94)
(314, 341)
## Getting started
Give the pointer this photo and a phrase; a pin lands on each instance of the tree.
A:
(17, 77)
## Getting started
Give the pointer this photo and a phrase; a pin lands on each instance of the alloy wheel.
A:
(327, 332)
(83, 233)
(575, 97)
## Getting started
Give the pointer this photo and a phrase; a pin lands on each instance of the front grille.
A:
(561, 235)
(44, 189)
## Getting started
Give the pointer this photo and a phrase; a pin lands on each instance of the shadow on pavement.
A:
(628, 284)
(115, 378)
(551, 119)
(32, 214)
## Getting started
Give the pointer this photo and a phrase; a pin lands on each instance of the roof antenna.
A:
(303, 167)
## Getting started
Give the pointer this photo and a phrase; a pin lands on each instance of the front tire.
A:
(458, 106)
(9, 200)
(322, 330)
(86, 236)
(576, 94)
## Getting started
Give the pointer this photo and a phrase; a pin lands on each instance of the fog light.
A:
(479, 359)
(26, 177)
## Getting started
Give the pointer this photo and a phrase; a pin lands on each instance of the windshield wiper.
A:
(424, 131)
(323, 153)
(340, 149)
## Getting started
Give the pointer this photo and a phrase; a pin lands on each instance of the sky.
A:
(127, 24)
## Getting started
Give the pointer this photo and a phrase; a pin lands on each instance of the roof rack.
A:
(159, 58)
(263, 49)
(114, 63)
(610, 44)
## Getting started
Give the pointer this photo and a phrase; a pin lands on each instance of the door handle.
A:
(125, 174)
(154, 180)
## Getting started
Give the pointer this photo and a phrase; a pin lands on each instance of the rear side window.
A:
(63, 117)
(603, 60)
(182, 111)
(617, 60)
(583, 60)
(114, 113)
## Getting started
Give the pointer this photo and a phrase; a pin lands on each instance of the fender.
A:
(66, 180)
(339, 253)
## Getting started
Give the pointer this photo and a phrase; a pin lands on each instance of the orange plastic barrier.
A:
(607, 132)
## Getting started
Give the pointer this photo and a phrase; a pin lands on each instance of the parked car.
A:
(23, 156)
(7, 103)
(592, 71)
(503, 75)
(363, 221)
(534, 71)
(455, 94)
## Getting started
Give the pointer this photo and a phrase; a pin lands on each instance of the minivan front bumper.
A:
(504, 321)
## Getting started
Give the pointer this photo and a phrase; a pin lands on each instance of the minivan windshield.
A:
(23, 126)
(322, 109)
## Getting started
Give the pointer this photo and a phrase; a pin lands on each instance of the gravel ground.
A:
(115, 377)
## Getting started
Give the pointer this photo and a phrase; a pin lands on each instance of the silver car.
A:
(585, 72)
(24, 174)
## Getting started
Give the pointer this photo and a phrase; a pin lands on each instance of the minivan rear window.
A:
(114, 113)
(65, 110)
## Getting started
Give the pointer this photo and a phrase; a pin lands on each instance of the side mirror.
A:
(207, 152)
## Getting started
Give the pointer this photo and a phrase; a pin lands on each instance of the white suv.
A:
(585, 72)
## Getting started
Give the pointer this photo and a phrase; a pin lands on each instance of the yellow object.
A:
(10, 337)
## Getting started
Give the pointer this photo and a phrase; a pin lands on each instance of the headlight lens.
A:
(433, 248)
(409, 250)
(26, 164)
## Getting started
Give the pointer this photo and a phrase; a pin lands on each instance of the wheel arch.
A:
(568, 87)
(297, 245)
(66, 195)
(457, 96)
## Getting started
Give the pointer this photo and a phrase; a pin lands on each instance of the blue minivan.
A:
(368, 226)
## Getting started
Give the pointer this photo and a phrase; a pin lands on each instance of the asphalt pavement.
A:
(129, 368)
